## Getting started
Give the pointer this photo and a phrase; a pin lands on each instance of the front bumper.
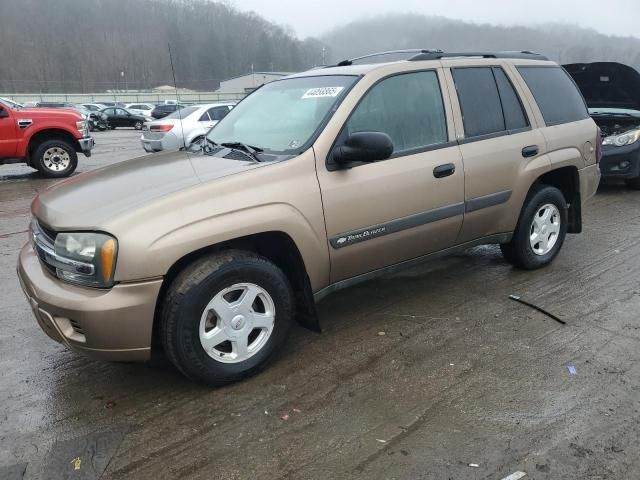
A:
(114, 324)
(621, 162)
(86, 144)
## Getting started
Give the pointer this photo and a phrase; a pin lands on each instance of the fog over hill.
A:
(561, 42)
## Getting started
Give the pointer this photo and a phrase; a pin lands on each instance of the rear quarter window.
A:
(556, 94)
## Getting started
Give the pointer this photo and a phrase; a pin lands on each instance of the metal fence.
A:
(196, 97)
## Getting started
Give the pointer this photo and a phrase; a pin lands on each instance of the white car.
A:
(143, 109)
(94, 107)
(170, 132)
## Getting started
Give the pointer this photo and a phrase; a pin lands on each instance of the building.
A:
(249, 82)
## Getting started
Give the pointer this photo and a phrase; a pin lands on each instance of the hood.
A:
(44, 112)
(88, 200)
(607, 84)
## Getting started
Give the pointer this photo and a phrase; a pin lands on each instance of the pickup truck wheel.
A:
(541, 229)
(225, 316)
(634, 183)
(55, 158)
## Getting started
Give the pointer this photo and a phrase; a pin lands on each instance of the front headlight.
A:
(97, 251)
(626, 138)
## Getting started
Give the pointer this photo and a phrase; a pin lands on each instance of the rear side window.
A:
(218, 113)
(514, 116)
(407, 107)
(479, 101)
(558, 98)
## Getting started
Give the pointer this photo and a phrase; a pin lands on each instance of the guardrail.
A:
(197, 97)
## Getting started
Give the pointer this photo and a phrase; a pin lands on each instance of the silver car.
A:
(183, 127)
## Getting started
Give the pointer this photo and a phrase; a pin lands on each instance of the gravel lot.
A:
(415, 376)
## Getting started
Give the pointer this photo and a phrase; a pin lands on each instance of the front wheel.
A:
(55, 158)
(225, 316)
(138, 125)
(541, 229)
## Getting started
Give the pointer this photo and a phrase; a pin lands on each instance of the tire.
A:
(196, 300)
(138, 125)
(529, 252)
(633, 183)
(112, 127)
(55, 158)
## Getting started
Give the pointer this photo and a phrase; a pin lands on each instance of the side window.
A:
(218, 113)
(407, 107)
(557, 96)
(120, 111)
(514, 115)
(109, 111)
(479, 101)
(205, 117)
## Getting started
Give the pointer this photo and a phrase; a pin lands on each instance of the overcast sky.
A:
(314, 17)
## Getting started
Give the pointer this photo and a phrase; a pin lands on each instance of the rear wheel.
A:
(541, 229)
(225, 316)
(55, 158)
(138, 125)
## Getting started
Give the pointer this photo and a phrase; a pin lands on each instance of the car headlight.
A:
(93, 256)
(626, 138)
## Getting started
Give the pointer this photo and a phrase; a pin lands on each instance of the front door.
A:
(382, 213)
(8, 140)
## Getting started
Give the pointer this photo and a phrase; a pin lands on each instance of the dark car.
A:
(119, 117)
(162, 111)
(612, 93)
(113, 104)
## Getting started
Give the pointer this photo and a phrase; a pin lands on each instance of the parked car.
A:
(182, 128)
(119, 117)
(162, 111)
(140, 108)
(312, 183)
(47, 139)
(94, 107)
(612, 93)
(113, 104)
(96, 119)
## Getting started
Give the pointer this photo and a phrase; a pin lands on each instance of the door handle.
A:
(530, 151)
(444, 170)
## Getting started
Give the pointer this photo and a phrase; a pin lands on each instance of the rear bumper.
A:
(589, 181)
(113, 324)
(621, 162)
(86, 145)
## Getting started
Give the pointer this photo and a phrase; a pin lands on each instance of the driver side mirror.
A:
(363, 147)
(3, 113)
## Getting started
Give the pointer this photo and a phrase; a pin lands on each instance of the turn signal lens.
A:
(107, 253)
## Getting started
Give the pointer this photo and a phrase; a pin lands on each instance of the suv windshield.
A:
(11, 103)
(283, 116)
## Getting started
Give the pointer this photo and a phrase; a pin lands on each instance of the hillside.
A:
(560, 42)
(83, 46)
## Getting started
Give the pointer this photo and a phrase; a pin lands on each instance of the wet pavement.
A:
(415, 376)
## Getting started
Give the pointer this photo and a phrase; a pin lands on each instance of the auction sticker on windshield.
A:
(322, 92)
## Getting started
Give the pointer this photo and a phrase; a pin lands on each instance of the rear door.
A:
(498, 144)
(8, 139)
(382, 213)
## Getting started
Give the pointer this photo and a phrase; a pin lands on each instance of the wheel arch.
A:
(279, 248)
(567, 180)
(49, 134)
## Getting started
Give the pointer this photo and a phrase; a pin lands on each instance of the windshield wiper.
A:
(249, 149)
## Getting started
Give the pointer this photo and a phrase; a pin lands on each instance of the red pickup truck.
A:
(47, 139)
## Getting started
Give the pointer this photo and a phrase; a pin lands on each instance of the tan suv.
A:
(312, 183)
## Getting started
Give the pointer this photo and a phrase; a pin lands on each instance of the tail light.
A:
(599, 146)
(160, 128)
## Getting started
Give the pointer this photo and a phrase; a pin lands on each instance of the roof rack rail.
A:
(524, 54)
(413, 52)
